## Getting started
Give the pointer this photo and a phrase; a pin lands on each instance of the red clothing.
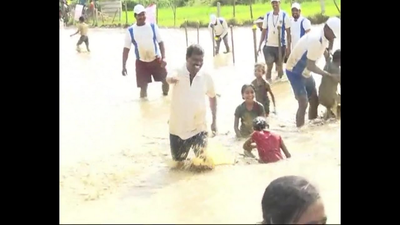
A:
(268, 145)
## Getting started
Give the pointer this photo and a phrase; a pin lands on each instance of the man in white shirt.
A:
(149, 52)
(299, 25)
(187, 122)
(272, 20)
(302, 61)
(221, 30)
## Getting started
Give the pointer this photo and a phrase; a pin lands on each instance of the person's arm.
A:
(261, 111)
(285, 150)
(127, 47)
(263, 32)
(159, 41)
(307, 25)
(236, 126)
(314, 52)
(247, 145)
(269, 90)
(213, 98)
(77, 32)
(288, 31)
(225, 27)
(210, 29)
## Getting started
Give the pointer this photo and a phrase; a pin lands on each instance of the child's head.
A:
(81, 19)
(259, 69)
(248, 91)
(336, 57)
(292, 200)
(260, 123)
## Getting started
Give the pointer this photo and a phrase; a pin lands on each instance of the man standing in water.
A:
(270, 34)
(299, 25)
(221, 30)
(302, 62)
(187, 123)
(149, 51)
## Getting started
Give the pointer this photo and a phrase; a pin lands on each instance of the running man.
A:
(302, 62)
(221, 30)
(299, 25)
(269, 36)
(83, 30)
(149, 52)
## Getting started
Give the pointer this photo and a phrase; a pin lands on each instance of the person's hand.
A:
(173, 80)
(289, 156)
(258, 51)
(287, 52)
(71, 35)
(163, 63)
(274, 111)
(336, 77)
(214, 128)
(124, 72)
(238, 135)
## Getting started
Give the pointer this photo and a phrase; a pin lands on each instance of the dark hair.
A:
(336, 56)
(260, 65)
(194, 50)
(246, 86)
(286, 199)
(81, 19)
(260, 123)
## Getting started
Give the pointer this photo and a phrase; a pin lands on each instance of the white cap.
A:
(275, 0)
(213, 18)
(296, 6)
(138, 9)
(334, 24)
(259, 20)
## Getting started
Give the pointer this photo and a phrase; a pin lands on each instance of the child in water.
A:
(268, 144)
(262, 88)
(328, 95)
(83, 30)
(247, 111)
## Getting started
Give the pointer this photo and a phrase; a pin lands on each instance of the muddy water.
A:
(114, 148)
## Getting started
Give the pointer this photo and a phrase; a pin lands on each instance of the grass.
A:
(201, 13)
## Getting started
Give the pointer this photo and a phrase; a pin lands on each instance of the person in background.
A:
(258, 22)
(299, 25)
(302, 62)
(292, 200)
(263, 88)
(187, 122)
(270, 37)
(247, 111)
(268, 144)
(83, 30)
(328, 95)
(221, 30)
(149, 52)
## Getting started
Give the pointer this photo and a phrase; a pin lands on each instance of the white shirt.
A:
(272, 22)
(311, 46)
(296, 28)
(146, 48)
(188, 103)
(221, 28)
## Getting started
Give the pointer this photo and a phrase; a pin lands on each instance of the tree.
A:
(173, 4)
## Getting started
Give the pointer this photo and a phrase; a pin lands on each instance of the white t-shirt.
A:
(146, 48)
(296, 28)
(188, 103)
(311, 46)
(272, 22)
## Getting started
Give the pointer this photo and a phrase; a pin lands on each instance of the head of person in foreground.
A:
(194, 58)
(292, 200)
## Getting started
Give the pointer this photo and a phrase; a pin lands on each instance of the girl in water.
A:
(292, 200)
(247, 111)
(268, 144)
(262, 88)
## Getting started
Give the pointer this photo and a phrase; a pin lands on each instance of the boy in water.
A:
(83, 30)
(262, 88)
(328, 95)
(268, 144)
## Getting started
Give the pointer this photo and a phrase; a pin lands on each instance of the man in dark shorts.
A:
(275, 22)
(83, 30)
(149, 51)
(187, 123)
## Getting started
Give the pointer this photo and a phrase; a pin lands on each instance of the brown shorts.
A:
(145, 70)
(82, 39)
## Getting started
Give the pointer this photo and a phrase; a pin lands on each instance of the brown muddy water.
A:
(114, 148)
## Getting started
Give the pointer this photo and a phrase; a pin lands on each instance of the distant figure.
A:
(328, 95)
(187, 121)
(270, 37)
(292, 200)
(299, 25)
(258, 22)
(268, 144)
(263, 88)
(149, 52)
(247, 111)
(302, 62)
(221, 30)
(83, 30)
